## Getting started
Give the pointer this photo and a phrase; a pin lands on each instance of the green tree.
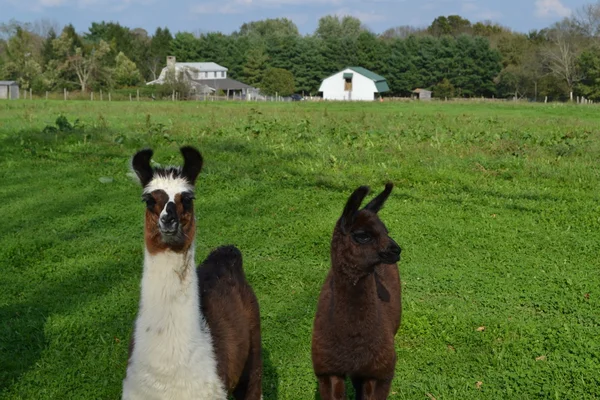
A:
(452, 25)
(156, 58)
(278, 80)
(589, 65)
(255, 66)
(444, 89)
(22, 58)
(185, 47)
(126, 72)
(86, 62)
(269, 27)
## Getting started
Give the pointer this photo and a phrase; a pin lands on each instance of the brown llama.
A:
(359, 308)
(197, 333)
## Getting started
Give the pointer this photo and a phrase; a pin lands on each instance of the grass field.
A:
(496, 207)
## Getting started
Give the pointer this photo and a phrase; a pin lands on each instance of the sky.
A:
(228, 15)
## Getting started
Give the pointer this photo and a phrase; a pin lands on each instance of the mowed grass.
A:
(496, 207)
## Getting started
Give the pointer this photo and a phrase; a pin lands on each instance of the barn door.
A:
(348, 84)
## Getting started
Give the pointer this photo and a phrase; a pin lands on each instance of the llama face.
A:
(365, 238)
(169, 194)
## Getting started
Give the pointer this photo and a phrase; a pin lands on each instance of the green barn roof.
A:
(380, 82)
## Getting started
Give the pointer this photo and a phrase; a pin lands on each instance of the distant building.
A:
(203, 77)
(353, 83)
(9, 90)
(422, 94)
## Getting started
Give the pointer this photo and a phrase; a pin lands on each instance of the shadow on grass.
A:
(23, 324)
(270, 377)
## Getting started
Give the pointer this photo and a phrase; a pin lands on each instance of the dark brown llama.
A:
(359, 307)
(197, 333)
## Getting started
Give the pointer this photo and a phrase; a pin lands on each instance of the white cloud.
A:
(364, 17)
(241, 6)
(551, 8)
(51, 3)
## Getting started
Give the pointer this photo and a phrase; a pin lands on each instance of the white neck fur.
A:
(173, 357)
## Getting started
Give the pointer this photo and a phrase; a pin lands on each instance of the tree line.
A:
(452, 56)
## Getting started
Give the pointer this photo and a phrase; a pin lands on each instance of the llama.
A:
(197, 332)
(359, 308)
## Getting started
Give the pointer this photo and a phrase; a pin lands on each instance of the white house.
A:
(353, 83)
(203, 77)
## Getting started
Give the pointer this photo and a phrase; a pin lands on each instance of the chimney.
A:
(171, 62)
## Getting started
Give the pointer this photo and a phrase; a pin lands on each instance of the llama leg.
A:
(382, 389)
(250, 388)
(332, 387)
(364, 388)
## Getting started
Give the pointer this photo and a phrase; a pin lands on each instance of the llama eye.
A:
(362, 237)
(150, 201)
(187, 201)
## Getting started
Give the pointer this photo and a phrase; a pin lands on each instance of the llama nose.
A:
(170, 215)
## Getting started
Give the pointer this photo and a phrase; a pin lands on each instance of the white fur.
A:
(173, 357)
(170, 186)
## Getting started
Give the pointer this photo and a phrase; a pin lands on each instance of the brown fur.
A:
(359, 308)
(231, 310)
(152, 235)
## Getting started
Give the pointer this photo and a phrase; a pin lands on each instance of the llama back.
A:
(223, 263)
(231, 310)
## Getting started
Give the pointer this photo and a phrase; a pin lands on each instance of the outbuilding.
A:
(422, 94)
(9, 90)
(353, 83)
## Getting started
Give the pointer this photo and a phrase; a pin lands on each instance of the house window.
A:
(222, 74)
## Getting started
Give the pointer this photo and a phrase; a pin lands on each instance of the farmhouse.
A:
(203, 77)
(9, 90)
(353, 83)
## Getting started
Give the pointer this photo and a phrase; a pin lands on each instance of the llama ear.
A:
(192, 163)
(141, 166)
(351, 208)
(377, 203)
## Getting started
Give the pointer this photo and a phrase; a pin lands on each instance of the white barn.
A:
(353, 83)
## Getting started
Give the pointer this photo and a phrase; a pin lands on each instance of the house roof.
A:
(201, 66)
(8, 83)
(418, 90)
(223, 84)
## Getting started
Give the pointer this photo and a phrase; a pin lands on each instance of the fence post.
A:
(129, 96)
(138, 95)
(30, 94)
(91, 96)
(46, 95)
(545, 99)
(173, 95)
(65, 93)
(101, 97)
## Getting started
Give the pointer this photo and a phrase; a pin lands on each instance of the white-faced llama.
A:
(197, 332)
(359, 308)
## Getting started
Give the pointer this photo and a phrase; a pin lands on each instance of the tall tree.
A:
(86, 62)
(278, 81)
(156, 58)
(23, 58)
(126, 72)
(255, 66)
(565, 44)
(269, 27)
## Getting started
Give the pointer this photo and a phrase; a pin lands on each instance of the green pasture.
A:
(496, 207)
